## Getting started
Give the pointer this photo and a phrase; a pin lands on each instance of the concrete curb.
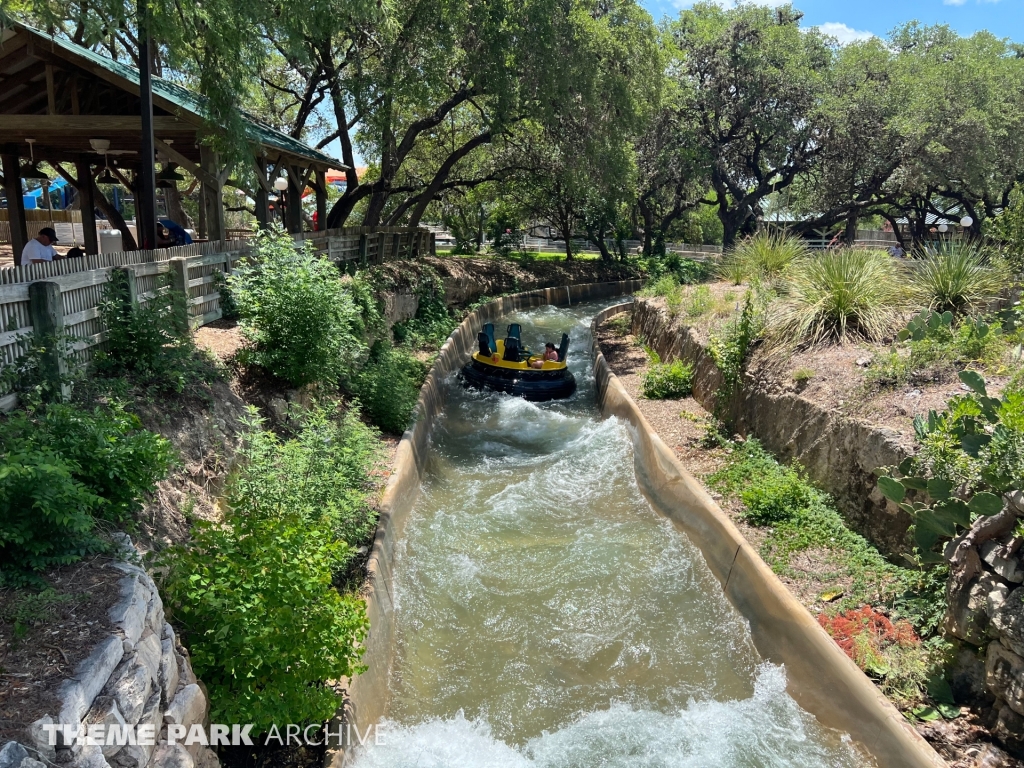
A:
(822, 679)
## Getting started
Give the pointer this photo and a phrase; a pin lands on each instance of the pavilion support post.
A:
(145, 183)
(294, 202)
(15, 204)
(87, 203)
(262, 201)
(212, 195)
(321, 199)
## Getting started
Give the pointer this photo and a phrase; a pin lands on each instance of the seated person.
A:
(550, 355)
(40, 248)
(175, 232)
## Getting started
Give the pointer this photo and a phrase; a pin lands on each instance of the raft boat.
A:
(505, 366)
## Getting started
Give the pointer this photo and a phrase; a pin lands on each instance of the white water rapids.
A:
(547, 616)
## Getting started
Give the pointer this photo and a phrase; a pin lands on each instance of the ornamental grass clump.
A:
(838, 295)
(766, 255)
(960, 278)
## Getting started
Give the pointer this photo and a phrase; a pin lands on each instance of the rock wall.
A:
(839, 452)
(138, 676)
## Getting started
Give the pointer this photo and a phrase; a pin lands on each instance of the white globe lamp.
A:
(966, 221)
(280, 183)
(943, 227)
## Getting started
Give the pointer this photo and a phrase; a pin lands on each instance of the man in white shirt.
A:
(40, 248)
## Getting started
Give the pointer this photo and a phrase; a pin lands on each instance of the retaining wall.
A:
(139, 675)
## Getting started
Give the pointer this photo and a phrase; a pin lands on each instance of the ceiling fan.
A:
(102, 147)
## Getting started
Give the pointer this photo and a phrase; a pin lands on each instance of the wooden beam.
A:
(27, 98)
(86, 124)
(174, 155)
(73, 85)
(15, 204)
(9, 84)
(51, 92)
(87, 204)
(11, 51)
(260, 166)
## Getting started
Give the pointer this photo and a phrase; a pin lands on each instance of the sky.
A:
(850, 19)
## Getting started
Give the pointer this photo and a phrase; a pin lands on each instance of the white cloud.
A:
(731, 3)
(843, 33)
(953, 2)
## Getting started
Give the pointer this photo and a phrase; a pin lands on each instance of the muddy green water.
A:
(547, 616)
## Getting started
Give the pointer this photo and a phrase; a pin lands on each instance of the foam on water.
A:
(546, 616)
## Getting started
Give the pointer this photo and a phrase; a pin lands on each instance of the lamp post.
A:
(281, 184)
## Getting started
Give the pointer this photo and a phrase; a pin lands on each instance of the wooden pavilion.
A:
(74, 106)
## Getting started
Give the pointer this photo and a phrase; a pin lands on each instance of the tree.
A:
(749, 81)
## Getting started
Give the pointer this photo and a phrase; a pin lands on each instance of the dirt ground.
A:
(42, 643)
(965, 742)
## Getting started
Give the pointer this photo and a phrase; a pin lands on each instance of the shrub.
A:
(149, 342)
(803, 375)
(388, 386)
(322, 474)
(959, 277)
(299, 320)
(1008, 228)
(776, 497)
(729, 347)
(668, 288)
(667, 381)
(264, 625)
(838, 294)
(64, 468)
(433, 322)
(733, 269)
(766, 254)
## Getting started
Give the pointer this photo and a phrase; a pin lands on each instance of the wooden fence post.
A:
(380, 248)
(363, 249)
(179, 284)
(46, 311)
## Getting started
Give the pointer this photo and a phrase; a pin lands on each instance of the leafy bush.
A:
(733, 269)
(1008, 228)
(433, 323)
(667, 381)
(150, 343)
(254, 596)
(322, 474)
(300, 321)
(838, 294)
(668, 288)
(683, 270)
(957, 278)
(64, 468)
(265, 627)
(729, 347)
(388, 386)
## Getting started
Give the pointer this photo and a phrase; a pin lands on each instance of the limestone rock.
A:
(148, 654)
(187, 707)
(1008, 621)
(206, 758)
(105, 711)
(91, 675)
(12, 754)
(29, 762)
(131, 686)
(41, 739)
(967, 616)
(1004, 675)
(1009, 728)
(168, 669)
(129, 613)
(90, 757)
(1007, 568)
(967, 678)
(167, 756)
(138, 755)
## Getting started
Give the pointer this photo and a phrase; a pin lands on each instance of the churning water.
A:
(547, 616)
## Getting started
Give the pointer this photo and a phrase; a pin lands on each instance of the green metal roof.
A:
(194, 103)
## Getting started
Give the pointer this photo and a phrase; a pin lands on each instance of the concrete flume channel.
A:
(549, 587)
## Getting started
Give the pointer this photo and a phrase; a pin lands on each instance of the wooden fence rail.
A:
(77, 285)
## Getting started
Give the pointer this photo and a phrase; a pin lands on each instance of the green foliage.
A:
(149, 343)
(388, 386)
(63, 469)
(730, 346)
(699, 301)
(300, 321)
(228, 307)
(766, 255)
(803, 375)
(255, 596)
(434, 322)
(838, 294)
(733, 269)
(1008, 228)
(970, 455)
(958, 277)
(798, 517)
(684, 270)
(24, 608)
(264, 625)
(667, 381)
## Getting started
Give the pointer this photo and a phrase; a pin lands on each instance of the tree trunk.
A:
(114, 217)
(597, 238)
(175, 211)
(850, 236)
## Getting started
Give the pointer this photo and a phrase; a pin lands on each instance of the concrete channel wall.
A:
(821, 678)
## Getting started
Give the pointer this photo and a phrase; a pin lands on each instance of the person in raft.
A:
(550, 353)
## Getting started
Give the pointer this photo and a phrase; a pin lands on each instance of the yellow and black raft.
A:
(506, 366)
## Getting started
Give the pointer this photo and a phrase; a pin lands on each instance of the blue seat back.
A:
(489, 330)
(563, 348)
(485, 346)
(515, 331)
